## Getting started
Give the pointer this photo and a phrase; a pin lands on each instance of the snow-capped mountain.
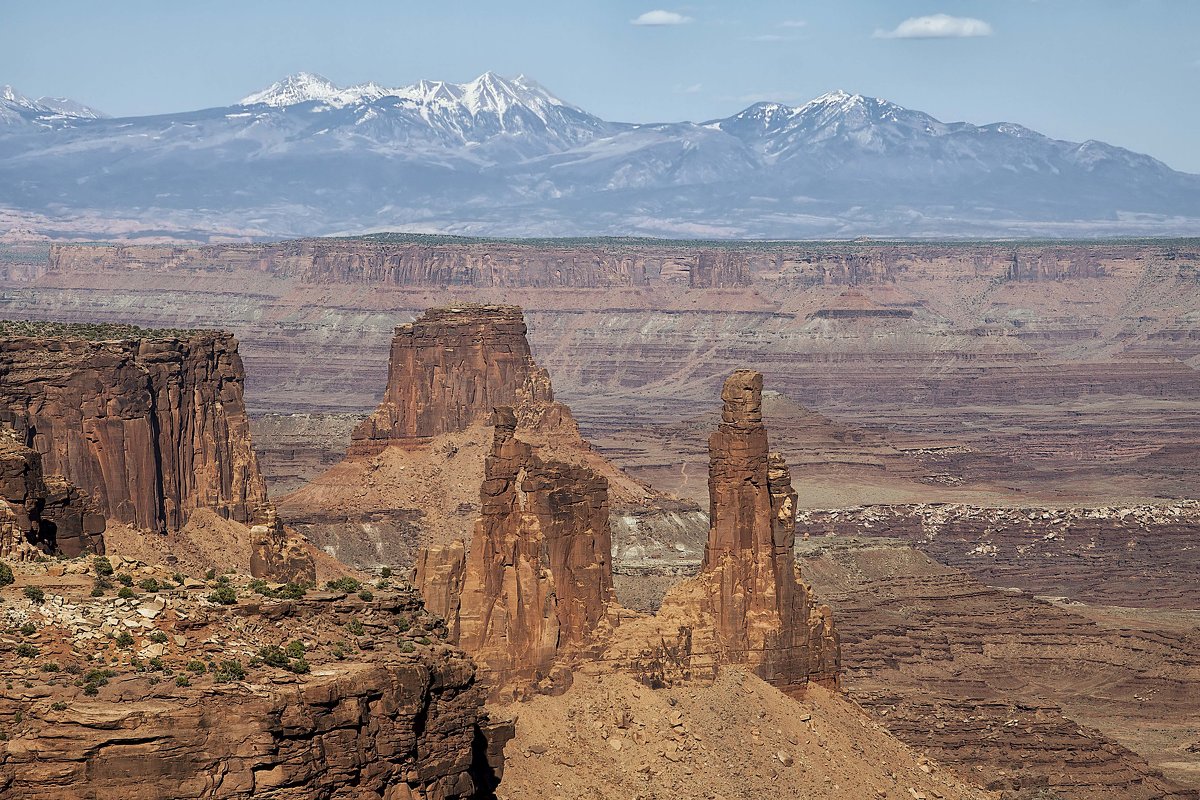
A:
(18, 109)
(504, 156)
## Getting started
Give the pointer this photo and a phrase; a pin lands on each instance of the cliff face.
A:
(448, 370)
(42, 514)
(747, 605)
(610, 264)
(392, 714)
(537, 580)
(152, 424)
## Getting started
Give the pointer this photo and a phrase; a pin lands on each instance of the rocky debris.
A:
(39, 514)
(222, 688)
(536, 584)
(151, 424)
(746, 606)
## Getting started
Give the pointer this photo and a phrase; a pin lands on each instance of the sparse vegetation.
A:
(196, 666)
(149, 585)
(385, 573)
(91, 331)
(28, 629)
(229, 671)
(224, 595)
(102, 566)
(183, 680)
(27, 650)
(126, 593)
(366, 595)
(355, 626)
(209, 574)
(124, 639)
(345, 584)
(158, 637)
(6, 575)
(50, 666)
(125, 579)
(35, 594)
(58, 705)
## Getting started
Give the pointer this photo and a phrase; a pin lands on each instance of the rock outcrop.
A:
(40, 514)
(151, 423)
(322, 696)
(448, 370)
(747, 606)
(535, 587)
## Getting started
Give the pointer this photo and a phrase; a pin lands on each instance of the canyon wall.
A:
(612, 263)
(150, 423)
(42, 514)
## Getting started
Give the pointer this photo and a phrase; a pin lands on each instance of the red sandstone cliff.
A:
(535, 586)
(152, 424)
(42, 514)
(747, 605)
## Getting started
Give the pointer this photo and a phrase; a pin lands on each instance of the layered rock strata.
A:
(42, 514)
(151, 424)
(376, 706)
(535, 587)
(746, 606)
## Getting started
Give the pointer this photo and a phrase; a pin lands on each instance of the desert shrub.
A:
(149, 585)
(365, 595)
(299, 666)
(383, 584)
(339, 652)
(291, 591)
(295, 649)
(27, 650)
(196, 666)
(73, 668)
(346, 584)
(224, 595)
(407, 647)
(91, 689)
(58, 705)
(424, 640)
(355, 626)
(125, 579)
(403, 624)
(183, 680)
(223, 580)
(97, 590)
(126, 593)
(209, 574)
(6, 575)
(35, 594)
(156, 664)
(124, 639)
(178, 578)
(385, 573)
(273, 656)
(28, 629)
(230, 671)
(158, 637)
(102, 566)
(50, 666)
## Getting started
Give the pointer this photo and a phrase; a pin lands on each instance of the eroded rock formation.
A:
(42, 514)
(448, 370)
(536, 583)
(747, 605)
(151, 424)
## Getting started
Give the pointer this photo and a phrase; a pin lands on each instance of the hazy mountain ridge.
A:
(506, 157)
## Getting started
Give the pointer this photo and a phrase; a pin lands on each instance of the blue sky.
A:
(1123, 71)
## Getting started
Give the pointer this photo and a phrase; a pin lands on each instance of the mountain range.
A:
(505, 157)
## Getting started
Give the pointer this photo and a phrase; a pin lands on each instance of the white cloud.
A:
(660, 17)
(693, 89)
(937, 26)
(793, 23)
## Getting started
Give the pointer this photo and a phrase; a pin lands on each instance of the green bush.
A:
(355, 626)
(125, 579)
(97, 590)
(292, 591)
(6, 575)
(102, 566)
(407, 647)
(58, 705)
(125, 593)
(385, 573)
(295, 649)
(209, 574)
(178, 578)
(346, 584)
(299, 666)
(403, 624)
(124, 639)
(50, 666)
(26, 650)
(158, 637)
(196, 666)
(224, 595)
(183, 680)
(230, 671)
(366, 596)
(35, 594)
(28, 629)
(149, 585)
(273, 656)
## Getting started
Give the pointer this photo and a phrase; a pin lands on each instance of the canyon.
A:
(986, 447)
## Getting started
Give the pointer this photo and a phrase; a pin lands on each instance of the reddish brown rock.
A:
(39, 514)
(747, 605)
(448, 370)
(152, 424)
(537, 581)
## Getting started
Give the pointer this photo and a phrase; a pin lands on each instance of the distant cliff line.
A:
(623, 263)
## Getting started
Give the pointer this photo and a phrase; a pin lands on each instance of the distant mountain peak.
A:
(44, 107)
(300, 87)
